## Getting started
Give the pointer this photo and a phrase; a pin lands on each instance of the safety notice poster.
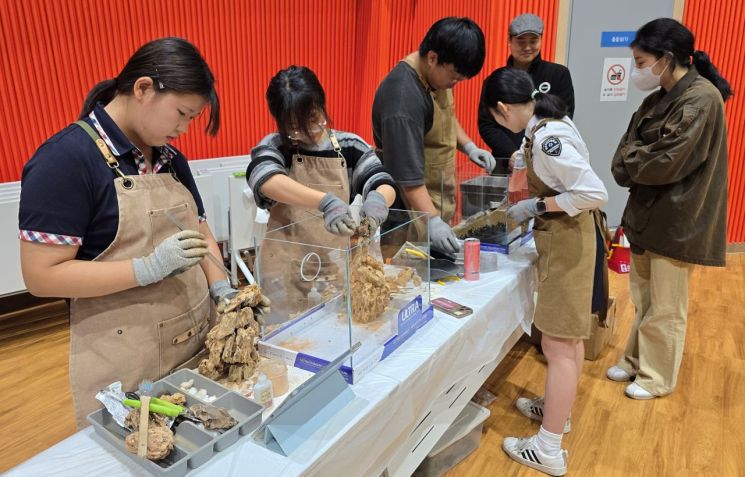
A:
(615, 82)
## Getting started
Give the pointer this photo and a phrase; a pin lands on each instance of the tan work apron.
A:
(566, 262)
(280, 263)
(440, 144)
(143, 332)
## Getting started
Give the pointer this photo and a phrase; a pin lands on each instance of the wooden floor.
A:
(698, 430)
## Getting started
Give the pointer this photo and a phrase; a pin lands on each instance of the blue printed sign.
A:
(612, 39)
(408, 315)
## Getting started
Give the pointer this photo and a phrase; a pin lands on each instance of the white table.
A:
(401, 407)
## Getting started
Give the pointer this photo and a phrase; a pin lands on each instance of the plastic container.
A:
(193, 445)
(276, 371)
(461, 439)
(311, 338)
(263, 391)
(482, 193)
(200, 382)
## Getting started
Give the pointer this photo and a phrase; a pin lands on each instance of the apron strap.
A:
(601, 226)
(335, 144)
(105, 152)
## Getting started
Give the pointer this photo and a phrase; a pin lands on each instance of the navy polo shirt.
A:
(67, 189)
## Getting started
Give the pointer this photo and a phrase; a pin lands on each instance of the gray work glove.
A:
(336, 216)
(441, 236)
(524, 210)
(172, 256)
(480, 157)
(375, 208)
(222, 292)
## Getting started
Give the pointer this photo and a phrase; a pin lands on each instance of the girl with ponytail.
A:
(110, 218)
(565, 197)
(673, 160)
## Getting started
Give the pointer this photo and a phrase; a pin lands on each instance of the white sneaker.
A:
(526, 452)
(533, 408)
(617, 374)
(634, 391)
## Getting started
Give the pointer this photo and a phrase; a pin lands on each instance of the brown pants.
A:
(659, 291)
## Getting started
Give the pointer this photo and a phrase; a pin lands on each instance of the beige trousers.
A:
(659, 291)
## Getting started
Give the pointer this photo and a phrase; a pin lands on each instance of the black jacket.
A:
(504, 142)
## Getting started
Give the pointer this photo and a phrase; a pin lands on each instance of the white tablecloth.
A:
(390, 400)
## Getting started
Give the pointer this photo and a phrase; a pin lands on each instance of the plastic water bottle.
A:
(314, 298)
(263, 391)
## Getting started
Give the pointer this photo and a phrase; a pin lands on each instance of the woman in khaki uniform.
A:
(103, 205)
(565, 196)
(304, 170)
(673, 159)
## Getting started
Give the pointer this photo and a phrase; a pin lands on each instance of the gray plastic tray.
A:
(193, 445)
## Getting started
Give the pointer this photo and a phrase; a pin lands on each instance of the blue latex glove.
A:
(524, 210)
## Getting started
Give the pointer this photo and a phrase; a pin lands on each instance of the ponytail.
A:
(512, 86)
(103, 92)
(175, 66)
(706, 68)
(550, 106)
(667, 36)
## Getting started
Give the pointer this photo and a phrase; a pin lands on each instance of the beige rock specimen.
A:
(175, 398)
(213, 417)
(232, 342)
(370, 291)
(132, 420)
(159, 442)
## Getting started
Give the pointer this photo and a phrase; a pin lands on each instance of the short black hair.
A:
(513, 86)
(458, 41)
(293, 96)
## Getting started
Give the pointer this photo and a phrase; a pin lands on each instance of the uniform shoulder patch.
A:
(551, 146)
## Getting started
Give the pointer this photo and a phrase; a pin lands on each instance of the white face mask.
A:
(644, 79)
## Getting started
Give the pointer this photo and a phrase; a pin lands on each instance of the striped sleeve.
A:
(367, 171)
(266, 161)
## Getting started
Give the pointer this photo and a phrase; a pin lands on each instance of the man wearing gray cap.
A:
(525, 34)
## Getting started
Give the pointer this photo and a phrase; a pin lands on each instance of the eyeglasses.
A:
(297, 134)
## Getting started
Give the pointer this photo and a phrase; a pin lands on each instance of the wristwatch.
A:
(540, 205)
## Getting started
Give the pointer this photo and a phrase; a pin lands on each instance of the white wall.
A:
(212, 177)
(602, 123)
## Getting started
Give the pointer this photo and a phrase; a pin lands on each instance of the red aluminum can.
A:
(471, 259)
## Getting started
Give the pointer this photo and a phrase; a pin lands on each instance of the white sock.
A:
(548, 442)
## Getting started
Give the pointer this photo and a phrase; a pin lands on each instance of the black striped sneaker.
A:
(533, 408)
(526, 452)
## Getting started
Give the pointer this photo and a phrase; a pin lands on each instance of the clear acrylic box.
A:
(329, 292)
(484, 203)
(482, 193)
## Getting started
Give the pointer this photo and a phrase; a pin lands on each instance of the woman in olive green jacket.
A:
(673, 159)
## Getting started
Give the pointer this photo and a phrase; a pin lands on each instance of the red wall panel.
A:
(54, 51)
(717, 25)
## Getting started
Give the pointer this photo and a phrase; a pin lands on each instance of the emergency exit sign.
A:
(611, 39)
